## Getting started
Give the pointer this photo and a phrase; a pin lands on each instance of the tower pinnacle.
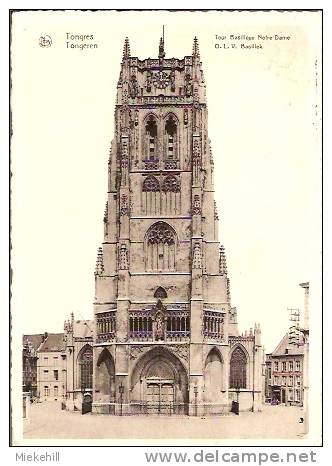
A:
(222, 261)
(99, 263)
(126, 48)
(195, 47)
(162, 45)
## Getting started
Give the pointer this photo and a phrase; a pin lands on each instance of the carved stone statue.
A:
(172, 78)
(133, 87)
(188, 85)
(159, 326)
(148, 81)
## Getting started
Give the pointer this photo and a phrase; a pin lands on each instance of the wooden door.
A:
(153, 398)
(166, 398)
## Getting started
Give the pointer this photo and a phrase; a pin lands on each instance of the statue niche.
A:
(159, 321)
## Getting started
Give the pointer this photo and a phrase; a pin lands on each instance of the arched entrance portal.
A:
(213, 377)
(105, 378)
(159, 383)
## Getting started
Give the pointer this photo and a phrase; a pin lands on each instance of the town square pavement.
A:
(48, 421)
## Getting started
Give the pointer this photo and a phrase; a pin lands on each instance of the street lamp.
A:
(237, 404)
(141, 394)
(196, 393)
(83, 404)
(237, 392)
(121, 390)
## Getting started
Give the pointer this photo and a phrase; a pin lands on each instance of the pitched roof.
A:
(33, 340)
(83, 328)
(285, 347)
(53, 342)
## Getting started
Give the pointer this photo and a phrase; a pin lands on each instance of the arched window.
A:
(151, 195)
(238, 369)
(86, 368)
(151, 138)
(171, 184)
(171, 138)
(160, 293)
(151, 184)
(160, 247)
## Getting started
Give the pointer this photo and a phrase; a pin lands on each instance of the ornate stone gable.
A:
(181, 351)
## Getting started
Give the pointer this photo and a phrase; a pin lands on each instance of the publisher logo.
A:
(45, 41)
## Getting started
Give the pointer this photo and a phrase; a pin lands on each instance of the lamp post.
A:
(83, 391)
(237, 390)
(196, 393)
(141, 394)
(121, 390)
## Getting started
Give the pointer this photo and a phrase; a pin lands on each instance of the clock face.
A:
(161, 80)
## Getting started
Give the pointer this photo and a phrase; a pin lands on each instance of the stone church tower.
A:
(166, 338)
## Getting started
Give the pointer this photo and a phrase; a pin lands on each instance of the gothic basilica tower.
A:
(166, 338)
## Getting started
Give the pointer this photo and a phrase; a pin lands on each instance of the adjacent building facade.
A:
(31, 344)
(166, 336)
(284, 373)
(49, 368)
(58, 366)
(77, 363)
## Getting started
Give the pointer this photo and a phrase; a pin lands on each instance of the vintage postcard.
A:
(166, 227)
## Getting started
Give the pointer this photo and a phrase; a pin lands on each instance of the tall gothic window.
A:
(160, 247)
(171, 138)
(171, 195)
(238, 369)
(151, 138)
(86, 367)
(151, 195)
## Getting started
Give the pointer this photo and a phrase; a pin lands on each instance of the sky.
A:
(264, 126)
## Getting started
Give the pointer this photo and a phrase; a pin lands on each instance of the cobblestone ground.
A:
(47, 421)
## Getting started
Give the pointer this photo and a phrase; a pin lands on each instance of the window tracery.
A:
(160, 247)
(171, 184)
(151, 184)
(238, 369)
(86, 367)
(161, 233)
